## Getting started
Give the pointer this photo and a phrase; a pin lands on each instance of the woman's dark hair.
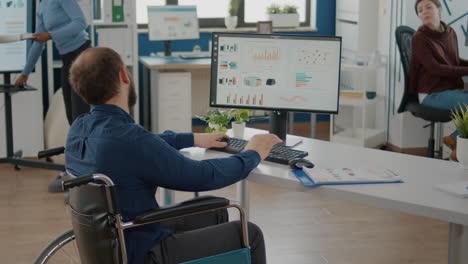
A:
(436, 2)
(95, 75)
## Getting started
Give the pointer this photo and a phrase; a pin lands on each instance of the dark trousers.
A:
(199, 239)
(74, 105)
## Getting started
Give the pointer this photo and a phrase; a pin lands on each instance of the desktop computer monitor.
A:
(172, 23)
(276, 72)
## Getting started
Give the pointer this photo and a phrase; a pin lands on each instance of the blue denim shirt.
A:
(65, 22)
(108, 141)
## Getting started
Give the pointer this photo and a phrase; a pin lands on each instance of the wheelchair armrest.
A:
(188, 207)
(50, 152)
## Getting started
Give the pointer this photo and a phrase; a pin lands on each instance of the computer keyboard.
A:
(279, 153)
(196, 55)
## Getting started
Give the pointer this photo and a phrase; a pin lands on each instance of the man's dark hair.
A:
(95, 75)
(436, 2)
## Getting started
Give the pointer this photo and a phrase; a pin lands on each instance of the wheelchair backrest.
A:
(92, 216)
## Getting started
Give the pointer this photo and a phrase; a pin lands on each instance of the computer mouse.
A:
(298, 163)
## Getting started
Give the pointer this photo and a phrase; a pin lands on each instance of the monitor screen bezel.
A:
(174, 7)
(30, 28)
(214, 69)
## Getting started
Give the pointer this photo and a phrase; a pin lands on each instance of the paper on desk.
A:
(9, 38)
(17, 37)
(459, 189)
(350, 175)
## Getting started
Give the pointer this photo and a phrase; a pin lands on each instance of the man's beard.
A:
(132, 96)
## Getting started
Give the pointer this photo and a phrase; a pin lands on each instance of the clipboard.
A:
(308, 182)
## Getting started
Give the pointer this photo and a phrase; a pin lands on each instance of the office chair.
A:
(410, 102)
(98, 230)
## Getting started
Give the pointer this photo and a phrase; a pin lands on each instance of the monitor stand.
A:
(167, 48)
(279, 124)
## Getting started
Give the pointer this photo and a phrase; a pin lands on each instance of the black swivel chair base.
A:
(431, 152)
(433, 116)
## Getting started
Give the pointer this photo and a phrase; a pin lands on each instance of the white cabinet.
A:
(356, 23)
(171, 102)
(120, 39)
(347, 10)
(361, 119)
(361, 105)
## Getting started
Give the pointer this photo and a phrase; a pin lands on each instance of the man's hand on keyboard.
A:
(263, 144)
(209, 140)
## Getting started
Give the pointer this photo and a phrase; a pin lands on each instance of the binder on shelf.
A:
(118, 11)
(114, 11)
(345, 176)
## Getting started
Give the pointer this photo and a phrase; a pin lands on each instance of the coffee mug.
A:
(371, 95)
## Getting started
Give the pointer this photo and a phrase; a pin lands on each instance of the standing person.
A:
(63, 22)
(436, 68)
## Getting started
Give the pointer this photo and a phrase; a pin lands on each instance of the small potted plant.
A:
(460, 117)
(283, 17)
(231, 20)
(238, 126)
(217, 120)
(274, 9)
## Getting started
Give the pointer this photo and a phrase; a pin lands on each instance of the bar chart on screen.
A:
(294, 99)
(265, 54)
(245, 99)
(302, 79)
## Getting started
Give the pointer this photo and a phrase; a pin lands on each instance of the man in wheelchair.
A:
(107, 140)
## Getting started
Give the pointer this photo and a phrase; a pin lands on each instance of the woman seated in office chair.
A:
(436, 67)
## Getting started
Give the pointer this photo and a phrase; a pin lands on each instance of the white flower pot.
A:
(462, 151)
(216, 127)
(284, 20)
(230, 22)
(238, 129)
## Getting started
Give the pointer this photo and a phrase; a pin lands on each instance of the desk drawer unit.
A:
(171, 102)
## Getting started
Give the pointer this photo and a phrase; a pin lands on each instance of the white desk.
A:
(416, 196)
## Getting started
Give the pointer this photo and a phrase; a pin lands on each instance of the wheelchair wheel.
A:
(62, 249)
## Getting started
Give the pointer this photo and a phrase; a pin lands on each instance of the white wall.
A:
(404, 130)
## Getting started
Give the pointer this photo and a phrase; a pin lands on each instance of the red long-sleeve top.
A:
(435, 63)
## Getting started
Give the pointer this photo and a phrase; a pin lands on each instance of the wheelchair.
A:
(98, 229)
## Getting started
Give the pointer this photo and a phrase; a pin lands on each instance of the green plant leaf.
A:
(460, 118)
(240, 115)
(274, 9)
(289, 9)
(218, 117)
(233, 7)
